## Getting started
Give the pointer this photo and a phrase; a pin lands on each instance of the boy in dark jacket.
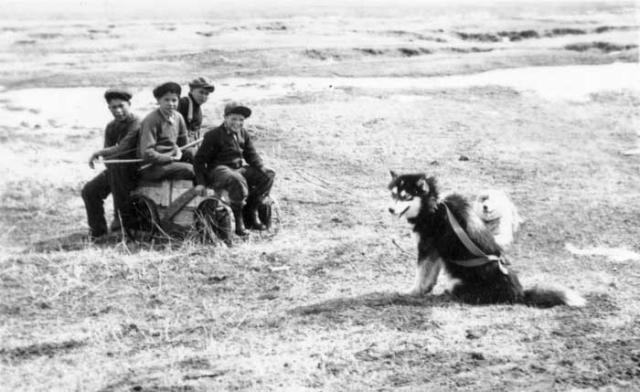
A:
(219, 164)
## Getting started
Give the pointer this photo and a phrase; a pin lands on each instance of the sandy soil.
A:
(543, 102)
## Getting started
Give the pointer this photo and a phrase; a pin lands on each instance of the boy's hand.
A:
(93, 158)
(201, 190)
(178, 155)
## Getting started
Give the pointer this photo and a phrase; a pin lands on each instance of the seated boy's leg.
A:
(260, 184)
(93, 193)
(179, 171)
(225, 178)
(170, 171)
(123, 179)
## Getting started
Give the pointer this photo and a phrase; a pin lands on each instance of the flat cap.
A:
(117, 93)
(236, 108)
(202, 82)
(165, 88)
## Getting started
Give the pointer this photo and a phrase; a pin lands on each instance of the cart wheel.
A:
(213, 220)
(145, 221)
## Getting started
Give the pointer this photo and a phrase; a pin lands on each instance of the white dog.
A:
(499, 214)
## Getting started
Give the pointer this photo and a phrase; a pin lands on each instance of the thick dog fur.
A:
(416, 198)
(499, 214)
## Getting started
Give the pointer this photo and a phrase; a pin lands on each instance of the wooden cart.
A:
(171, 208)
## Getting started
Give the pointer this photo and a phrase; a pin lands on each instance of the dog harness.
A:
(482, 258)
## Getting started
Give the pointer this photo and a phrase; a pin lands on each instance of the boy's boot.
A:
(237, 216)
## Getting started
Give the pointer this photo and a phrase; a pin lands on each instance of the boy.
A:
(219, 162)
(120, 140)
(162, 133)
(189, 108)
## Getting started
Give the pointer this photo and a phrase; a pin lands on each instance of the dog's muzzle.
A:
(403, 208)
(393, 211)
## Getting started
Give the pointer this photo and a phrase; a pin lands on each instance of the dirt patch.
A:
(147, 386)
(410, 52)
(8, 310)
(469, 50)
(606, 47)
(428, 369)
(565, 31)
(50, 350)
(593, 354)
(412, 35)
(322, 54)
(372, 51)
(596, 363)
(416, 355)
(604, 29)
(195, 363)
(481, 37)
(273, 26)
(511, 35)
(519, 35)
(27, 42)
(45, 35)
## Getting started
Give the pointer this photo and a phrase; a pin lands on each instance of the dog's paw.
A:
(417, 291)
(413, 292)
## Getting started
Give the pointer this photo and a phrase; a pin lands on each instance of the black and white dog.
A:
(452, 235)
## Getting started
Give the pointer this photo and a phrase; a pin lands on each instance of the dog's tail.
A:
(549, 297)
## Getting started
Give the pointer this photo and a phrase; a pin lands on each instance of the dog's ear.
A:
(393, 175)
(432, 204)
(432, 186)
(422, 185)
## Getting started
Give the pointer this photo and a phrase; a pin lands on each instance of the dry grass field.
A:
(340, 96)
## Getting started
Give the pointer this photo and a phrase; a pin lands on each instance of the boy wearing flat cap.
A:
(120, 141)
(190, 109)
(162, 134)
(219, 163)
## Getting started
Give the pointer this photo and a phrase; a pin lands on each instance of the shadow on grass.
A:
(370, 300)
(50, 350)
(80, 240)
(70, 242)
(391, 309)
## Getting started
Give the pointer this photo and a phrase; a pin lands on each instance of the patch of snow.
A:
(615, 254)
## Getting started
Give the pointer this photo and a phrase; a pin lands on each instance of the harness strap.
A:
(482, 258)
(478, 261)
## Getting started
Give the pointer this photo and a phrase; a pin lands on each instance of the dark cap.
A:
(236, 108)
(117, 93)
(165, 88)
(202, 82)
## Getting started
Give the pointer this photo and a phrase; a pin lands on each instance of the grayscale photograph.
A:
(319, 195)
